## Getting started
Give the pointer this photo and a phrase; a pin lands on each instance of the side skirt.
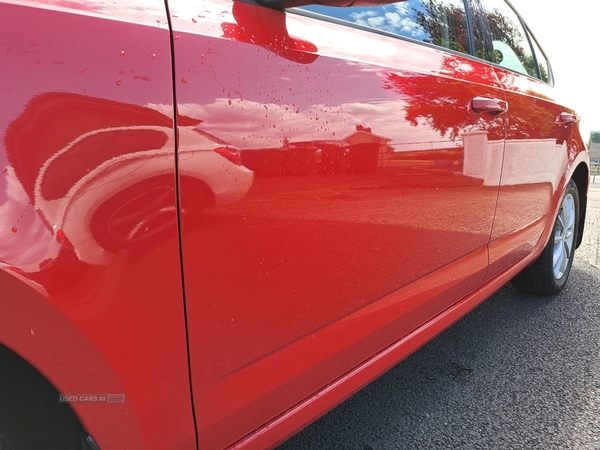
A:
(306, 412)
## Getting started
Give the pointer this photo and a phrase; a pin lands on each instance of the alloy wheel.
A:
(564, 233)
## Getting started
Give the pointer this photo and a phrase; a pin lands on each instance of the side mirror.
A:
(268, 28)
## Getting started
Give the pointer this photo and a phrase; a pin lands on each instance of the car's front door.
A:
(339, 192)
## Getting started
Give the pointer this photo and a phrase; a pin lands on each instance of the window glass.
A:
(481, 50)
(509, 41)
(541, 60)
(438, 22)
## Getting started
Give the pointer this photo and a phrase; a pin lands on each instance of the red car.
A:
(219, 219)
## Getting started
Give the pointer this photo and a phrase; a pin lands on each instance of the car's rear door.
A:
(338, 194)
(537, 144)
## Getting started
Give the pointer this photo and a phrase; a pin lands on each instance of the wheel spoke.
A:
(570, 213)
(561, 220)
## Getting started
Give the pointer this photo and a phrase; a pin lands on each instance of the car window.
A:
(479, 31)
(510, 44)
(438, 22)
(542, 62)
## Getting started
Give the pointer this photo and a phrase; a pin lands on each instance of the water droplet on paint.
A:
(122, 53)
(118, 83)
(184, 80)
(14, 229)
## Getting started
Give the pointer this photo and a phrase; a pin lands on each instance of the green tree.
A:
(445, 23)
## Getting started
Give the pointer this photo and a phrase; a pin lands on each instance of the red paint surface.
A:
(370, 174)
(339, 197)
(97, 304)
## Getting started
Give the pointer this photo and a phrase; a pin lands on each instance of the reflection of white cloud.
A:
(402, 8)
(393, 18)
(376, 22)
(398, 22)
(363, 14)
(249, 124)
(408, 27)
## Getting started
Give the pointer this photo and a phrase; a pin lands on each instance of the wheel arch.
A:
(30, 412)
(581, 176)
(39, 333)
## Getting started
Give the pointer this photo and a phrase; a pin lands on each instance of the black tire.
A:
(549, 273)
(30, 415)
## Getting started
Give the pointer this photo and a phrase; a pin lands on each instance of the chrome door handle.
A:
(566, 119)
(489, 105)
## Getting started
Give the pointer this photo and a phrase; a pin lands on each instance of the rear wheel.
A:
(549, 273)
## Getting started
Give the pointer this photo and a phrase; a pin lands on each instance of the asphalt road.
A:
(519, 372)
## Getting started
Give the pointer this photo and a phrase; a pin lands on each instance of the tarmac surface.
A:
(518, 372)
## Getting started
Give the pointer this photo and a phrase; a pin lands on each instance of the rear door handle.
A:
(566, 119)
(489, 105)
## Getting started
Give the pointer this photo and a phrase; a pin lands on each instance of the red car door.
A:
(538, 147)
(349, 183)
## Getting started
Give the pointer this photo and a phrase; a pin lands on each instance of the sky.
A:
(569, 33)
